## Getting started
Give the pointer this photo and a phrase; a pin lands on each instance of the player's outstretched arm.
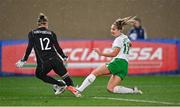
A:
(108, 54)
(22, 61)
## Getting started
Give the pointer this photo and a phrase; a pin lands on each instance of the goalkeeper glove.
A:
(65, 58)
(20, 63)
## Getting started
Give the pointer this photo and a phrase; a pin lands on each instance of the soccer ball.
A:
(59, 89)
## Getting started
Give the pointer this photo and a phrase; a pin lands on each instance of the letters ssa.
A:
(146, 53)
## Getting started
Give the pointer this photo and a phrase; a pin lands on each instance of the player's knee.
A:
(110, 89)
(39, 75)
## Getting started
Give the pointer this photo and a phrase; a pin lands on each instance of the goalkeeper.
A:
(47, 52)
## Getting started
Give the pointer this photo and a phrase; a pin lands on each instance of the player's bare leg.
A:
(114, 88)
(90, 78)
(113, 82)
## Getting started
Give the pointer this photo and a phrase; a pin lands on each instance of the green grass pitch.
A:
(23, 91)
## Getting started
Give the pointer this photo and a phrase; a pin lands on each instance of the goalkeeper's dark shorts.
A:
(55, 64)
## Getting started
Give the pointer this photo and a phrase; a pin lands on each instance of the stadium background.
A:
(86, 23)
(88, 18)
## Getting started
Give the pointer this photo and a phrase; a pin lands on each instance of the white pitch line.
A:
(103, 98)
(134, 100)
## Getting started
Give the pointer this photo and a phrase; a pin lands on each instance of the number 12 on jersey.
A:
(45, 41)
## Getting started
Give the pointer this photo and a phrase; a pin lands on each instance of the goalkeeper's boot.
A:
(73, 90)
(137, 91)
(58, 89)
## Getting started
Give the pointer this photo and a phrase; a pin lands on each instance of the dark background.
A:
(88, 18)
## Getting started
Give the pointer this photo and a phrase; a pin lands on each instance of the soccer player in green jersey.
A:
(118, 67)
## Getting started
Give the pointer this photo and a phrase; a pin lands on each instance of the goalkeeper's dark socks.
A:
(60, 83)
(68, 81)
(51, 80)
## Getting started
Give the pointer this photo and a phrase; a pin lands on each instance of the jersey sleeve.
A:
(57, 47)
(29, 47)
(118, 42)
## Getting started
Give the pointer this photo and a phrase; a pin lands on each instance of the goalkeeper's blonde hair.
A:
(42, 19)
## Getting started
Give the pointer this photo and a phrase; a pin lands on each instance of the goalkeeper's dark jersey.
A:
(45, 45)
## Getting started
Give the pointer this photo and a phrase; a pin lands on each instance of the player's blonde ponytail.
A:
(123, 21)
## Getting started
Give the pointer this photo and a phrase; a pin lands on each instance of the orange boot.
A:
(73, 90)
